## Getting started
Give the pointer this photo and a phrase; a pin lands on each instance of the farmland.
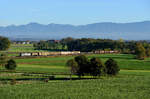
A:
(131, 83)
(126, 62)
(120, 87)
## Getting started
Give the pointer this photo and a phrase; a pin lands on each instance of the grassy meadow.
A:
(120, 87)
(57, 63)
(132, 82)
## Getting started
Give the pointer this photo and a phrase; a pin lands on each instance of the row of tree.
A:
(81, 66)
(52, 46)
(89, 44)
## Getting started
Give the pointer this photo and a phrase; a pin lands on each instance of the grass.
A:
(121, 87)
(133, 81)
(57, 64)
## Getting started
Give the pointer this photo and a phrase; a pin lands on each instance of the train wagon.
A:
(35, 54)
(105, 52)
(50, 53)
(25, 54)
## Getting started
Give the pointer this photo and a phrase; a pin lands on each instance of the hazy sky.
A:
(74, 12)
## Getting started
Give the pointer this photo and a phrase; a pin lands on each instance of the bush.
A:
(112, 67)
(11, 65)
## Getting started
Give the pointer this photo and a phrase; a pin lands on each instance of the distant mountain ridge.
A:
(35, 31)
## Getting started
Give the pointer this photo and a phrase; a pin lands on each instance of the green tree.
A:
(112, 67)
(73, 65)
(140, 51)
(3, 59)
(97, 67)
(11, 65)
(83, 65)
(4, 43)
(148, 52)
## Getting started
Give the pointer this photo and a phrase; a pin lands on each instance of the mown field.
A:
(57, 63)
(15, 49)
(133, 81)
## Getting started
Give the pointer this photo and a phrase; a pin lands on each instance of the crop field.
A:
(133, 81)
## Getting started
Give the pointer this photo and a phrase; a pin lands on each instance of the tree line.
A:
(90, 44)
(82, 66)
(52, 46)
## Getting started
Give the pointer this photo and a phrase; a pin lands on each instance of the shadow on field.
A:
(72, 78)
(118, 57)
(42, 79)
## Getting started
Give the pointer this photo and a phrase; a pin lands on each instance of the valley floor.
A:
(133, 81)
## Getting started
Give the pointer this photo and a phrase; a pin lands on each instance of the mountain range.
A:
(107, 30)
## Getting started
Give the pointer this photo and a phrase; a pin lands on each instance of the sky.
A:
(75, 12)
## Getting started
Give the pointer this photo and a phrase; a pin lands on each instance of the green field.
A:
(133, 81)
(121, 87)
(15, 49)
(57, 64)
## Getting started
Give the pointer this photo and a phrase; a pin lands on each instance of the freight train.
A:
(50, 53)
(66, 53)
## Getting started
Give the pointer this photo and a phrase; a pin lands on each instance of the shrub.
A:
(11, 65)
(112, 67)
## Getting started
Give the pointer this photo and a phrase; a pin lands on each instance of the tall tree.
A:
(4, 43)
(97, 67)
(73, 65)
(140, 51)
(112, 67)
(3, 59)
(83, 65)
(148, 52)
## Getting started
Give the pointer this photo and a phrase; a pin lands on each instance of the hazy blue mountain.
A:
(35, 31)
